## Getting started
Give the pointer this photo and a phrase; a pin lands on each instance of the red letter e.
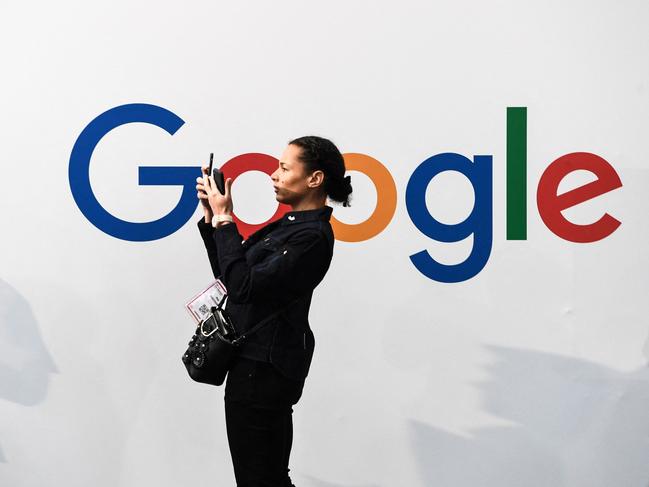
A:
(551, 204)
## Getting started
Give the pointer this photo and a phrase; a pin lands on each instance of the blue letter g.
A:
(478, 223)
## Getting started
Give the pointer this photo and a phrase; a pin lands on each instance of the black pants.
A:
(259, 422)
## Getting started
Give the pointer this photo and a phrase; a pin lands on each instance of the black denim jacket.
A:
(284, 260)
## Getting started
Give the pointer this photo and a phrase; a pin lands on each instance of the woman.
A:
(277, 266)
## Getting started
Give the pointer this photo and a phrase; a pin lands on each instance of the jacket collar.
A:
(297, 216)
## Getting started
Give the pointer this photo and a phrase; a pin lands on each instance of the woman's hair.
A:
(321, 154)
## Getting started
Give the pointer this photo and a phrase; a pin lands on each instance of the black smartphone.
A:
(217, 174)
(219, 180)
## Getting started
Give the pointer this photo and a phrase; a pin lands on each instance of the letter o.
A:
(386, 200)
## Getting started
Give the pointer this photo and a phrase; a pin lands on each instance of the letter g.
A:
(185, 176)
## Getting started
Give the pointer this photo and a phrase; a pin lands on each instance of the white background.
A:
(532, 373)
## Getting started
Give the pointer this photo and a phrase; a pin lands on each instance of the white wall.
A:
(532, 373)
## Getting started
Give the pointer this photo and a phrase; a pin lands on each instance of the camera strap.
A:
(262, 323)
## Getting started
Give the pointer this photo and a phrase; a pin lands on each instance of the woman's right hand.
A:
(202, 195)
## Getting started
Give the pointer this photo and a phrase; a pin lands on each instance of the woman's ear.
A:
(316, 179)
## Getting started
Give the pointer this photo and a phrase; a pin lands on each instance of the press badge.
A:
(199, 306)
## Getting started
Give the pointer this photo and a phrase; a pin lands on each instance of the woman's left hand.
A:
(220, 203)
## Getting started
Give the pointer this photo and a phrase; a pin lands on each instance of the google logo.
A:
(477, 170)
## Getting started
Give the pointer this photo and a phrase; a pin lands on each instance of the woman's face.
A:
(289, 179)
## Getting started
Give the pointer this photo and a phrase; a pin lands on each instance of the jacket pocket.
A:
(261, 249)
(270, 243)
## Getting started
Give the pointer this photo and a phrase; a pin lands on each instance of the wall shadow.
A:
(25, 362)
(315, 482)
(573, 423)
